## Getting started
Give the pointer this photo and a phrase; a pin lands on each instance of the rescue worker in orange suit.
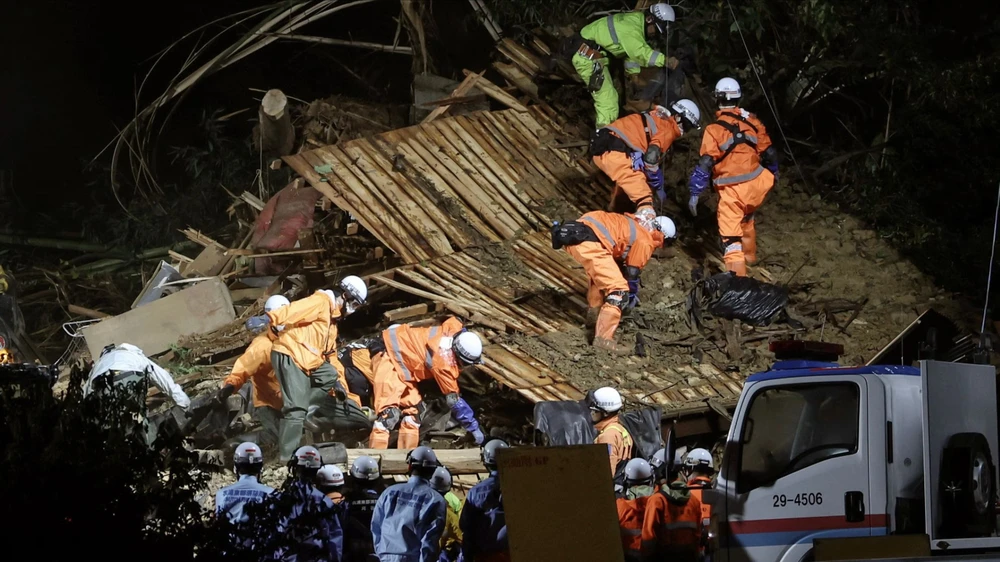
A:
(630, 150)
(613, 249)
(739, 159)
(632, 507)
(301, 355)
(604, 404)
(698, 469)
(255, 365)
(671, 529)
(411, 355)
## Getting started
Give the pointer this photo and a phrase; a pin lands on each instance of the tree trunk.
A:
(276, 136)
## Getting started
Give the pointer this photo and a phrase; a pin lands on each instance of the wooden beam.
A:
(406, 312)
(397, 49)
(495, 92)
(463, 89)
(393, 461)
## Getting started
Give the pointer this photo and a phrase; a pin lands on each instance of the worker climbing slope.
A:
(621, 35)
(255, 365)
(631, 149)
(612, 249)
(739, 159)
(604, 404)
(412, 355)
(300, 354)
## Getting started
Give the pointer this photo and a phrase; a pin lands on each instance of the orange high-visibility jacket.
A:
(255, 365)
(633, 128)
(620, 234)
(743, 163)
(706, 508)
(631, 517)
(612, 433)
(420, 354)
(670, 527)
(310, 330)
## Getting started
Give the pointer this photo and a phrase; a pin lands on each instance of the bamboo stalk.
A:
(397, 49)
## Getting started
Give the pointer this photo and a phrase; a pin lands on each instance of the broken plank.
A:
(406, 312)
(494, 91)
(463, 88)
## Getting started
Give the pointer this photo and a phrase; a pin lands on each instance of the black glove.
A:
(225, 392)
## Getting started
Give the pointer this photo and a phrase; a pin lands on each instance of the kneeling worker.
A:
(412, 355)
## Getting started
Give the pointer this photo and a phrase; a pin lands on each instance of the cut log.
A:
(276, 136)
(407, 312)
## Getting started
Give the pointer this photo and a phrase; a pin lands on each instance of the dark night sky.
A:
(70, 68)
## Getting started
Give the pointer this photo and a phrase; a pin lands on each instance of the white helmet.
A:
(330, 476)
(666, 226)
(365, 468)
(422, 457)
(469, 348)
(689, 112)
(441, 480)
(638, 471)
(663, 14)
(356, 288)
(489, 454)
(247, 458)
(307, 456)
(275, 302)
(605, 399)
(727, 90)
(698, 457)
(658, 458)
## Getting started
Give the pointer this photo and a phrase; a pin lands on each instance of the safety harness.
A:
(739, 137)
(608, 139)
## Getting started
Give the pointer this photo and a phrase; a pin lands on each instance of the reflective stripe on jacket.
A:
(623, 35)
(629, 243)
(743, 163)
(420, 354)
(632, 130)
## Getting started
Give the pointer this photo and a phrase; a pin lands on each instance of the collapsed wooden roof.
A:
(437, 193)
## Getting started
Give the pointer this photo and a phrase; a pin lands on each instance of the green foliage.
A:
(77, 469)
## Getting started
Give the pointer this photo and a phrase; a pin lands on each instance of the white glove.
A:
(693, 205)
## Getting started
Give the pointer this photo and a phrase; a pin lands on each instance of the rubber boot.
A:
(737, 267)
(409, 434)
(610, 346)
(604, 331)
(593, 312)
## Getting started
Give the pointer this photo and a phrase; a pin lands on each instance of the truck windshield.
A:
(789, 428)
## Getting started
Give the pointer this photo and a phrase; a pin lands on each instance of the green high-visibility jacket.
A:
(624, 36)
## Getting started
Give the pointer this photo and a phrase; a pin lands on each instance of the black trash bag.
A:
(644, 427)
(740, 298)
(564, 422)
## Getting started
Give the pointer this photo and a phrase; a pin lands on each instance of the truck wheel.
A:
(967, 487)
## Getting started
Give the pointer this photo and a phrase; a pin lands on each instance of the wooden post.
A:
(276, 136)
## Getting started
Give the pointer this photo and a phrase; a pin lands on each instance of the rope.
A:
(993, 249)
(763, 90)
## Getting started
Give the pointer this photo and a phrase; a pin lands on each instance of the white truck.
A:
(820, 451)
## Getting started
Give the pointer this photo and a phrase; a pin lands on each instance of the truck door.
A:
(796, 468)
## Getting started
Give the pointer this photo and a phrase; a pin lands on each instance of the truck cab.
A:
(821, 451)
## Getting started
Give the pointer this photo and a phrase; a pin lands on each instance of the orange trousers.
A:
(605, 278)
(618, 167)
(391, 391)
(737, 204)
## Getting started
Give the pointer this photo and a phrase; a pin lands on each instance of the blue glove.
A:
(699, 181)
(637, 163)
(655, 179)
(478, 436)
(462, 412)
(633, 293)
(773, 168)
(258, 324)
